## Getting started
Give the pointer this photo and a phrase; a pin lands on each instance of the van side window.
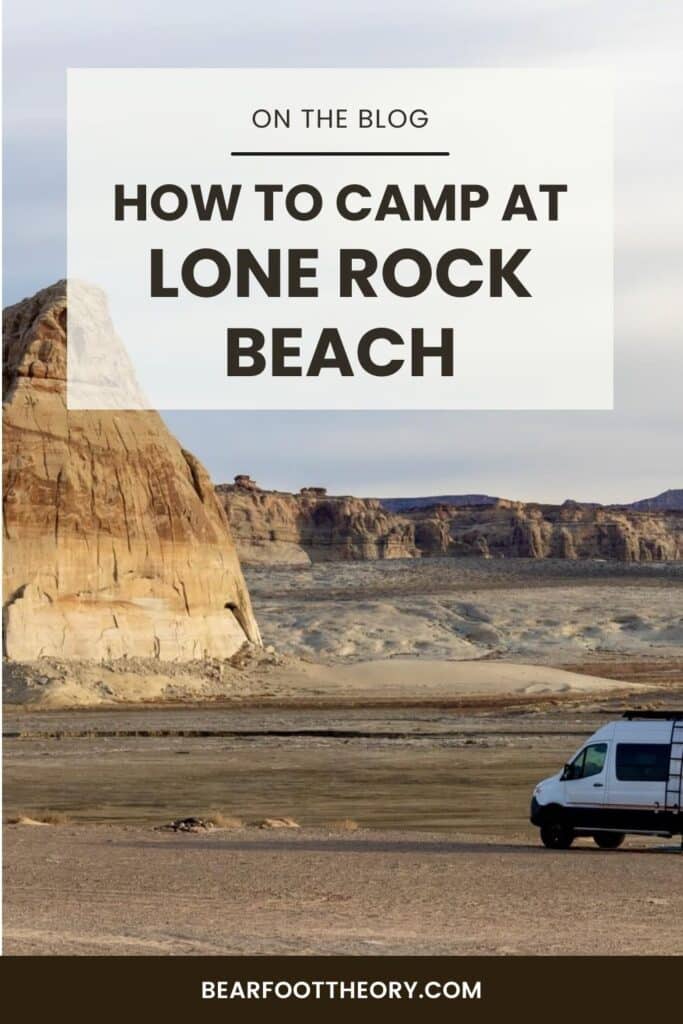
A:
(643, 762)
(589, 762)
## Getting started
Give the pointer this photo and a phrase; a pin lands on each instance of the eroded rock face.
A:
(525, 530)
(115, 544)
(272, 526)
(279, 527)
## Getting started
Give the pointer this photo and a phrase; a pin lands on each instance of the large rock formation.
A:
(115, 544)
(526, 530)
(272, 526)
(275, 526)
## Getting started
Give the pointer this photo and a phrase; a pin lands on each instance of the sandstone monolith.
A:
(115, 544)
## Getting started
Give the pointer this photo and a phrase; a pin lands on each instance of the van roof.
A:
(665, 716)
(634, 731)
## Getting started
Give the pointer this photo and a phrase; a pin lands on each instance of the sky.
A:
(629, 453)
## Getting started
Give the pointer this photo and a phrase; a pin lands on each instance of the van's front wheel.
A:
(609, 840)
(557, 837)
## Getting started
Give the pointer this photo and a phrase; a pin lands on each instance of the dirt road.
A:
(108, 889)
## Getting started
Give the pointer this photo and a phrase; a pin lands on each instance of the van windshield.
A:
(590, 761)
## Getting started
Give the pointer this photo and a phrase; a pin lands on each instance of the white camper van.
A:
(627, 778)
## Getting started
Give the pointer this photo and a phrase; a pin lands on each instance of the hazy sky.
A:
(632, 452)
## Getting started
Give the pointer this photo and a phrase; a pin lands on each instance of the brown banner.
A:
(343, 988)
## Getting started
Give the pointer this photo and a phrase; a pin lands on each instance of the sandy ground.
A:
(544, 612)
(432, 680)
(414, 836)
(121, 891)
(436, 629)
(290, 680)
(402, 717)
(428, 769)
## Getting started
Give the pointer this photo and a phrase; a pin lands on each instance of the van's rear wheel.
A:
(557, 837)
(609, 840)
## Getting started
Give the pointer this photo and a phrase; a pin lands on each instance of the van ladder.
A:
(674, 785)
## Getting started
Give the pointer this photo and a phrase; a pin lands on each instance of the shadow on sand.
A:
(358, 845)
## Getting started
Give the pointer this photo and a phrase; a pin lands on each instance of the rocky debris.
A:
(188, 825)
(312, 526)
(54, 683)
(115, 544)
(196, 824)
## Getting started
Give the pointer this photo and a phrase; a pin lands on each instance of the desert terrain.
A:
(542, 612)
(368, 774)
(116, 890)
(354, 704)
(436, 630)
(376, 831)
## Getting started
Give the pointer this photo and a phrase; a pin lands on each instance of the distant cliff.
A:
(513, 529)
(667, 501)
(312, 526)
(401, 505)
(276, 526)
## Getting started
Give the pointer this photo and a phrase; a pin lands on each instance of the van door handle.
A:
(598, 785)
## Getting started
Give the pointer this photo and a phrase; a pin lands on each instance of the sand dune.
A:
(463, 677)
(293, 679)
(402, 679)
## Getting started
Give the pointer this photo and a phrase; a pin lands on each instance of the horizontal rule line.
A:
(365, 152)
